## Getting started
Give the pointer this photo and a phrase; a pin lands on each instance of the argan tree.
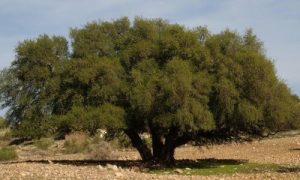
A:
(175, 83)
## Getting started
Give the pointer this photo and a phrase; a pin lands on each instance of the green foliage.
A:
(295, 119)
(30, 85)
(3, 123)
(8, 153)
(43, 143)
(33, 128)
(90, 119)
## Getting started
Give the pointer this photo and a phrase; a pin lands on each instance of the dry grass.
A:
(5, 134)
(76, 142)
(102, 151)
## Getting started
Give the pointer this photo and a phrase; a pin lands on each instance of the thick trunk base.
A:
(163, 148)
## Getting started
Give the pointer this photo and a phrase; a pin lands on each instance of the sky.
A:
(275, 22)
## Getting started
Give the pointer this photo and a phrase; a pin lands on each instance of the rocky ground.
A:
(57, 171)
(284, 151)
(278, 150)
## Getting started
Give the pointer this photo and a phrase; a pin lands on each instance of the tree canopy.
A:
(176, 83)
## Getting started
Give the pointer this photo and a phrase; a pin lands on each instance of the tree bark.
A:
(164, 151)
(157, 145)
(137, 142)
(157, 142)
(167, 155)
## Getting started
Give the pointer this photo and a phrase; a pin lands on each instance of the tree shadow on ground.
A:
(295, 149)
(184, 163)
(181, 164)
(295, 169)
(120, 163)
(207, 163)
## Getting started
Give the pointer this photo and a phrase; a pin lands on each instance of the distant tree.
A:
(175, 83)
(31, 85)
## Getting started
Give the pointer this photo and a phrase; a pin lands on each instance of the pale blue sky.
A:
(276, 22)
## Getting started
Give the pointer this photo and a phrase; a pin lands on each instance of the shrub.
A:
(8, 153)
(102, 151)
(76, 143)
(29, 129)
(43, 143)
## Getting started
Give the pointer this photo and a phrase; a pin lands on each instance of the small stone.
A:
(135, 169)
(179, 171)
(100, 167)
(118, 174)
(50, 162)
(146, 170)
(188, 169)
(112, 167)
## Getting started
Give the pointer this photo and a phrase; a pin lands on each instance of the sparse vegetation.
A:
(219, 167)
(8, 153)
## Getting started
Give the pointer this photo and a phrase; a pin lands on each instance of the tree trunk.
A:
(163, 150)
(157, 144)
(167, 155)
(137, 142)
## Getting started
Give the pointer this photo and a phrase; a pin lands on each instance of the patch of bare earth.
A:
(279, 151)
